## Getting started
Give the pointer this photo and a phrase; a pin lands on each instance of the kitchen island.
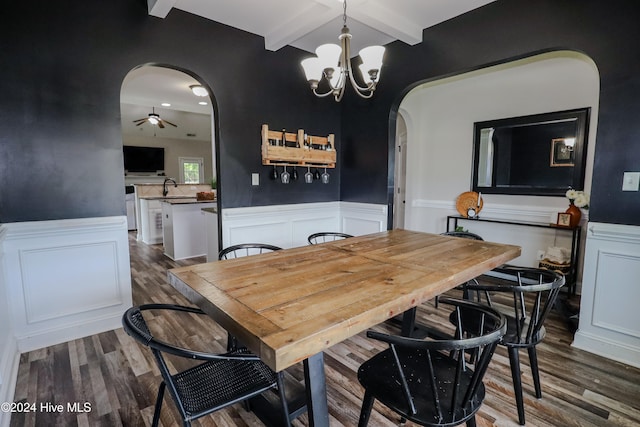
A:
(184, 229)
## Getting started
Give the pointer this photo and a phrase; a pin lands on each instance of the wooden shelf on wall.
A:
(281, 148)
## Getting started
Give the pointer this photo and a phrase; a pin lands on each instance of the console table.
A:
(575, 240)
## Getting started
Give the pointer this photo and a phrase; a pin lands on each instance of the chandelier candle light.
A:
(334, 65)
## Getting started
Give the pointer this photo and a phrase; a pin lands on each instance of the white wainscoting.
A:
(289, 226)
(609, 315)
(65, 279)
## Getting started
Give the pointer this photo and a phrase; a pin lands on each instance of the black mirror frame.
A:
(580, 152)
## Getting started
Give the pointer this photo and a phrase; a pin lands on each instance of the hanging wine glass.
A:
(294, 174)
(308, 177)
(274, 173)
(325, 177)
(316, 174)
(284, 176)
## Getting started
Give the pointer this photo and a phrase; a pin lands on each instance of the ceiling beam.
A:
(307, 20)
(160, 8)
(385, 20)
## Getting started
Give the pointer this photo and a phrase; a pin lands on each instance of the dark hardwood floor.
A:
(118, 378)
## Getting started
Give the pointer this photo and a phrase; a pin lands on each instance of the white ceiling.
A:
(304, 24)
(146, 88)
(307, 24)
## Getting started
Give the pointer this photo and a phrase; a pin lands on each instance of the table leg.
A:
(316, 386)
(408, 322)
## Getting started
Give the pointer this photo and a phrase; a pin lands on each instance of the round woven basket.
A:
(469, 199)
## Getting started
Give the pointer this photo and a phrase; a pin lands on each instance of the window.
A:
(191, 170)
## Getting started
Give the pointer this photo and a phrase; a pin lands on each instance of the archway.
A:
(187, 138)
(440, 116)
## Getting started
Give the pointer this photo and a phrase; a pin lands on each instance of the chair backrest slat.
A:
(534, 292)
(246, 249)
(326, 236)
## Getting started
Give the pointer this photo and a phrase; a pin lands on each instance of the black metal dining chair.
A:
(237, 251)
(326, 236)
(434, 382)
(462, 234)
(532, 293)
(246, 249)
(213, 382)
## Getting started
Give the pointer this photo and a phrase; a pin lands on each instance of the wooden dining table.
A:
(289, 306)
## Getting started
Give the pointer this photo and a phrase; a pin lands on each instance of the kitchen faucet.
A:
(165, 190)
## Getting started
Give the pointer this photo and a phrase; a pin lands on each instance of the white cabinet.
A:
(151, 221)
(184, 229)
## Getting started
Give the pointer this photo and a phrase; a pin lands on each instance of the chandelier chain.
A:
(344, 13)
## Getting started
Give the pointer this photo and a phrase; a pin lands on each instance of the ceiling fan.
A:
(154, 119)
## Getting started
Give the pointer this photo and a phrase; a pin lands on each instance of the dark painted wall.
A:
(62, 65)
(61, 69)
(509, 29)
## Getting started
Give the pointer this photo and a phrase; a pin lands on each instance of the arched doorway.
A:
(440, 114)
(187, 134)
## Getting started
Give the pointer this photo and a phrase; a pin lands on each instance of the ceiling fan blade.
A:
(160, 125)
(142, 122)
(169, 123)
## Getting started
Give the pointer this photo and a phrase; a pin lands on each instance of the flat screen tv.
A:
(143, 159)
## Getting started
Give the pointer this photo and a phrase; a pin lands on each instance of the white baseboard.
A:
(611, 349)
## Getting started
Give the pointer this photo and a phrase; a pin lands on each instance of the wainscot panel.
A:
(289, 226)
(609, 316)
(65, 279)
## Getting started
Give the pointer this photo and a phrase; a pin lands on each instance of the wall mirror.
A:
(541, 154)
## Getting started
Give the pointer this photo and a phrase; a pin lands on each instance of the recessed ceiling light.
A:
(203, 103)
(166, 104)
(198, 90)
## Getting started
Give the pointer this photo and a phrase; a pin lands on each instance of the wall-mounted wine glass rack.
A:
(282, 148)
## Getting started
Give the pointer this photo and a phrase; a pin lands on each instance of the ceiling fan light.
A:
(199, 90)
(154, 120)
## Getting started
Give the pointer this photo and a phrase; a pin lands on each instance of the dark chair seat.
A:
(214, 381)
(385, 384)
(214, 384)
(434, 382)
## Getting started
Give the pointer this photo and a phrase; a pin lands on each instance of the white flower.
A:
(578, 198)
(571, 194)
(582, 200)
